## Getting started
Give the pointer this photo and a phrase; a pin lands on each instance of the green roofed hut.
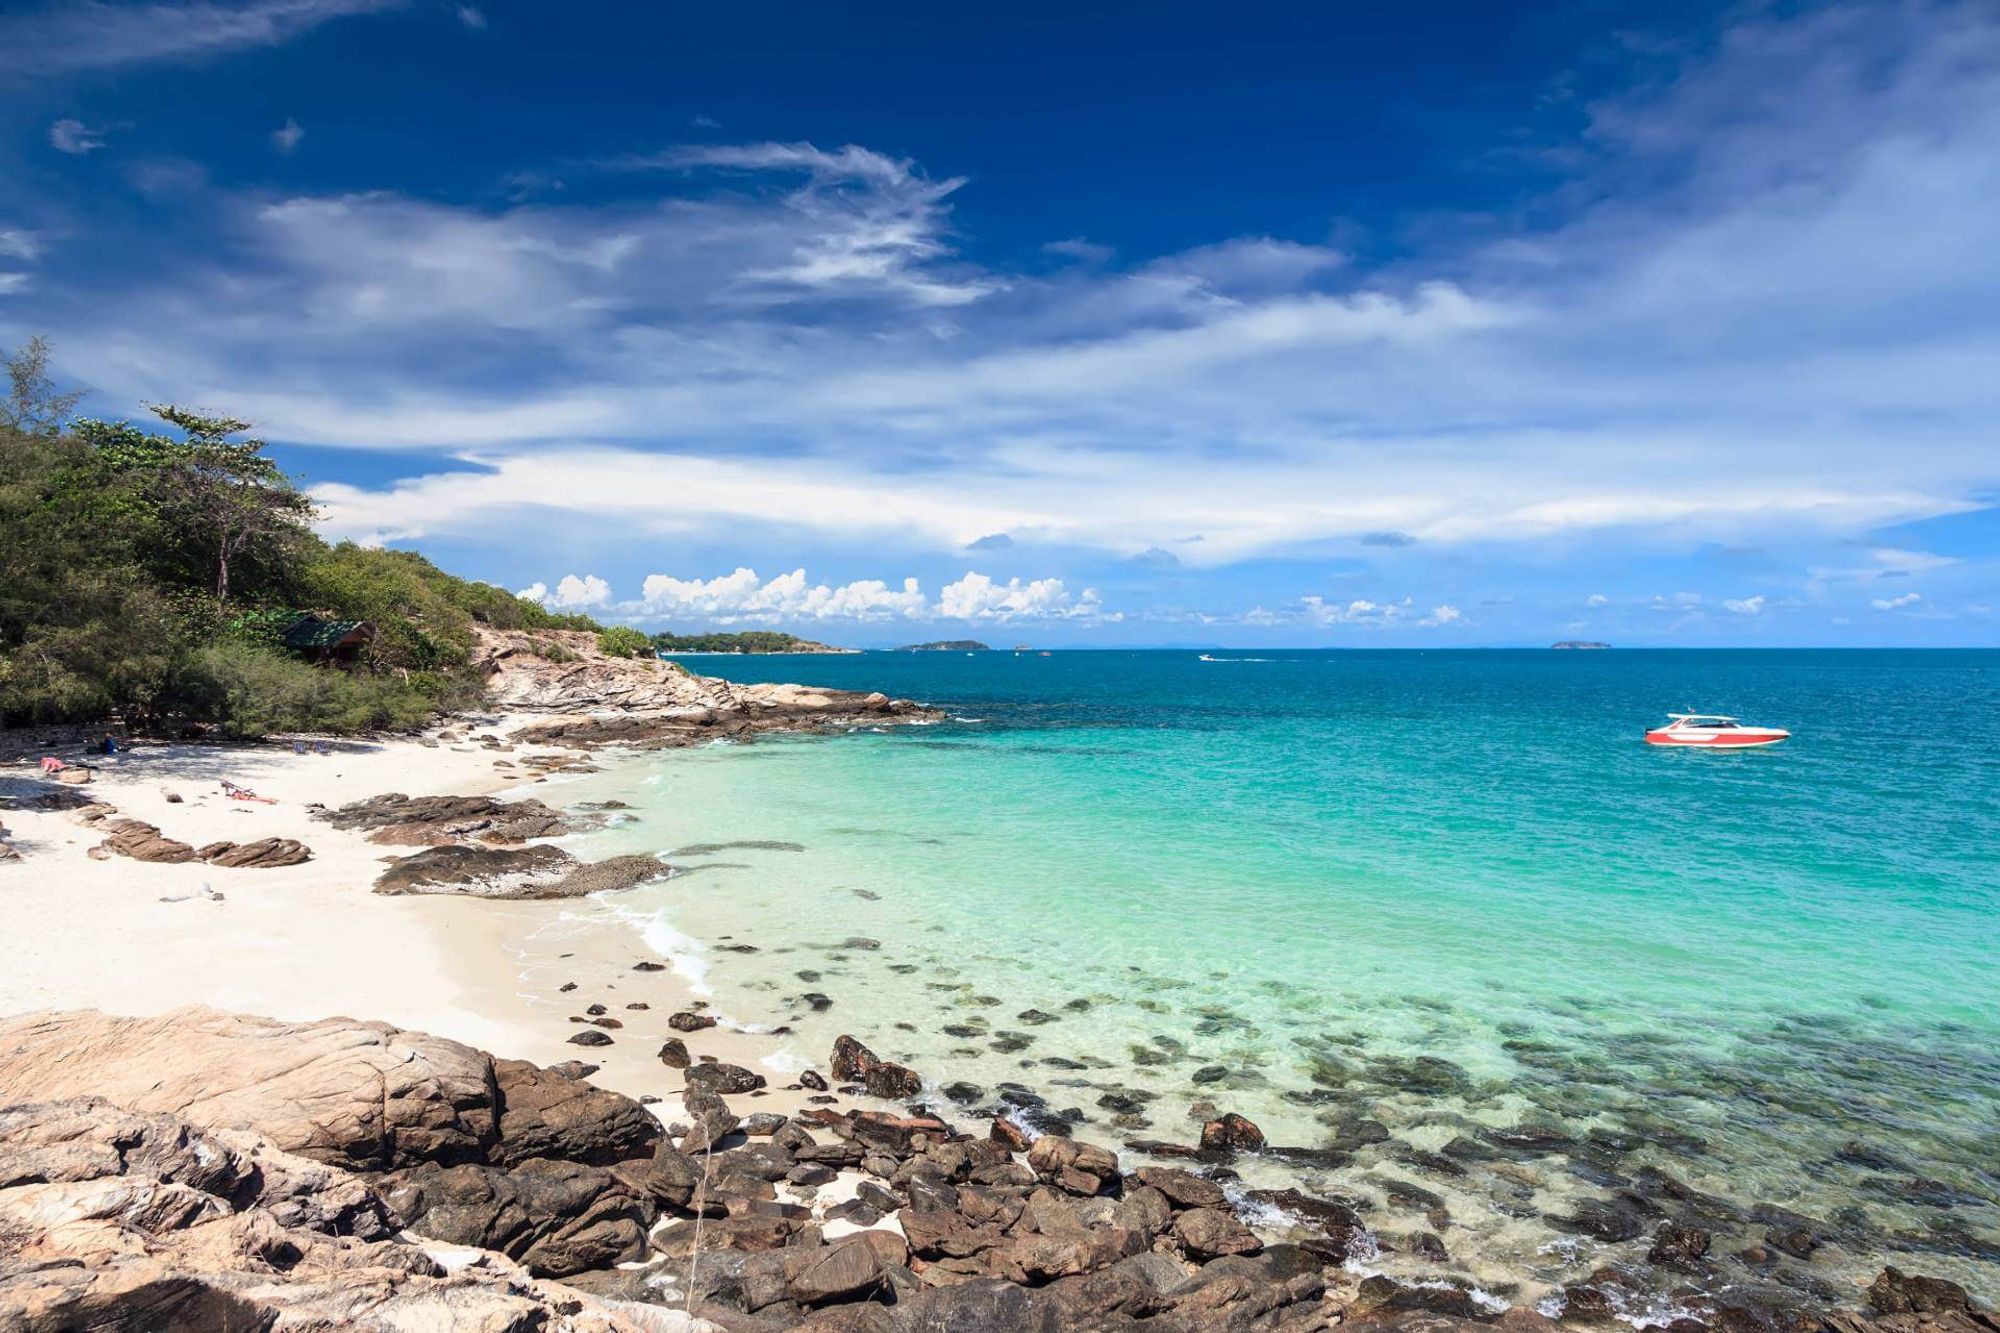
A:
(327, 641)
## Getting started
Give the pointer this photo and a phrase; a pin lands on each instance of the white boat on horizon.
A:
(1714, 731)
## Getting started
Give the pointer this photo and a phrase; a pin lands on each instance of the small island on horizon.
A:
(947, 646)
(742, 642)
(1580, 643)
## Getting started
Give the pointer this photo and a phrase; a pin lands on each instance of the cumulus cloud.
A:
(978, 597)
(1745, 606)
(1897, 603)
(75, 137)
(742, 595)
(1597, 599)
(572, 593)
(286, 137)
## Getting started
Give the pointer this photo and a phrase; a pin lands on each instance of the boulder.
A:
(118, 1220)
(263, 854)
(854, 1063)
(1080, 1168)
(1231, 1133)
(482, 872)
(1895, 1292)
(143, 842)
(1183, 1189)
(556, 1218)
(428, 821)
(1208, 1233)
(723, 1078)
(846, 1270)
(544, 1114)
(352, 1094)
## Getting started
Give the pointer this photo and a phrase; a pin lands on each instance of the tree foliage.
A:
(152, 575)
(624, 641)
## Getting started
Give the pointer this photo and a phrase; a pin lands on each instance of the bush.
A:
(623, 641)
(253, 693)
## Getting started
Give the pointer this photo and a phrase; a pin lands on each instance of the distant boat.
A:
(1713, 731)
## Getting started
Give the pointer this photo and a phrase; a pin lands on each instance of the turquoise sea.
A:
(1395, 907)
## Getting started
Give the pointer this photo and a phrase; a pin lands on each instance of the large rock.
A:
(545, 1114)
(481, 872)
(143, 842)
(1897, 1292)
(1080, 1168)
(854, 1063)
(263, 854)
(1231, 1133)
(557, 1218)
(431, 821)
(115, 1221)
(364, 1096)
(540, 871)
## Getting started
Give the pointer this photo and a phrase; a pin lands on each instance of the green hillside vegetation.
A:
(148, 577)
(746, 641)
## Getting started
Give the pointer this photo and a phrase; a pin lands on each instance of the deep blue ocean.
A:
(1398, 904)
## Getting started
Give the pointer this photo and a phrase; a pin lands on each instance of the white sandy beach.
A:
(310, 941)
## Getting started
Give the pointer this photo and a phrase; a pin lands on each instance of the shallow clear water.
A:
(1773, 974)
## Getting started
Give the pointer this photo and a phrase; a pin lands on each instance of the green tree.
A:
(205, 495)
(34, 405)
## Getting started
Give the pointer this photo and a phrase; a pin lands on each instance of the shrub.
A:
(253, 693)
(623, 641)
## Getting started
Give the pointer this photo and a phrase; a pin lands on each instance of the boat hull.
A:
(1739, 738)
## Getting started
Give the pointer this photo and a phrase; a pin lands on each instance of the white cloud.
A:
(12, 282)
(286, 137)
(572, 593)
(75, 137)
(1737, 316)
(978, 597)
(1362, 611)
(1745, 606)
(742, 595)
(1597, 599)
(98, 34)
(1897, 603)
(18, 243)
(1077, 248)
(471, 16)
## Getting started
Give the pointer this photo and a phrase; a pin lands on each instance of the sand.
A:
(312, 941)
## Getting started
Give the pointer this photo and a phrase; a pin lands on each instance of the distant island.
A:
(946, 646)
(747, 641)
(1579, 643)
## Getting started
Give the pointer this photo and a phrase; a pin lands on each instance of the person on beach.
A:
(236, 793)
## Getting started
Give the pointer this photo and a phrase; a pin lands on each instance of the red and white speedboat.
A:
(1713, 731)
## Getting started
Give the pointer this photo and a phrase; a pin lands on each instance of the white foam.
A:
(682, 952)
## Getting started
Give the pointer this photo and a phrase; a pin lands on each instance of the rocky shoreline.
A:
(202, 1169)
(205, 1168)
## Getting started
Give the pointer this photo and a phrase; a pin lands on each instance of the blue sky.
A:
(1463, 324)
